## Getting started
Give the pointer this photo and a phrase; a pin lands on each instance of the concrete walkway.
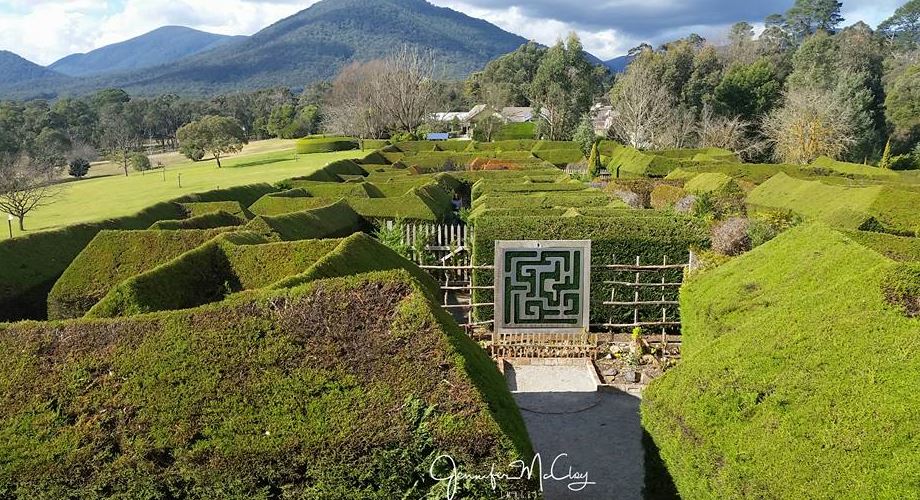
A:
(599, 432)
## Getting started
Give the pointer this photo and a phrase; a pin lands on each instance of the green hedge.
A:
(455, 145)
(427, 203)
(206, 221)
(899, 248)
(627, 160)
(707, 183)
(485, 187)
(791, 369)
(309, 145)
(828, 166)
(555, 146)
(112, 257)
(332, 221)
(588, 198)
(357, 254)
(280, 205)
(524, 144)
(516, 131)
(195, 209)
(614, 239)
(258, 395)
(560, 157)
(374, 143)
(664, 196)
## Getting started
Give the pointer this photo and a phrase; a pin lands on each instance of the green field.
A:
(106, 197)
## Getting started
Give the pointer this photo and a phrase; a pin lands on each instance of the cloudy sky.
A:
(46, 30)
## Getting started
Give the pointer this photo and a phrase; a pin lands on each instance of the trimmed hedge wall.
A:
(559, 157)
(332, 221)
(577, 199)
(357, 254)
(207, 207)
(516, 131)
(427, 203)
(258, 395)
(627, 160)
(707, 183)
(309, 145)
(791, 368)
(618, 239)
(112, 257)
(486, 187)
(898, 248)
(205, 221)
(828, 166)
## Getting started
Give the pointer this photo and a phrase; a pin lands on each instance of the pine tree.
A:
(886, 157)
(594, 161)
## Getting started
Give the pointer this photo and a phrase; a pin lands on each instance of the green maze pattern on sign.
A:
(543, 287)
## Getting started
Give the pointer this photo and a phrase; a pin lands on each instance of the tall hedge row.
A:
(614, 240)
(204, 221)
(332, 221)
(257, 396)
(310, 145)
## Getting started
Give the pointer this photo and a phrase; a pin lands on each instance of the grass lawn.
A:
(106, 197)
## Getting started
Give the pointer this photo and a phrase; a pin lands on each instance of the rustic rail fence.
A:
(636, 294)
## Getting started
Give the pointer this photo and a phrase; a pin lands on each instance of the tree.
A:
(903, 28)
(406, 89)
(585, 135)
(594, 161)
(903, 102)
(885, 162)
(741, 43)
(79, 167)
(812, 122)
(641, 104)
(512, 72)
(351, 105)
(48, 151)
(733, 133)
(120, 137)
(564, 87)
(140, 162)
(748, 91)
(807, 17)
(23, 188)
(217, 135)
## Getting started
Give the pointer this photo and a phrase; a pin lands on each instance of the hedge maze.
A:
(244, 342)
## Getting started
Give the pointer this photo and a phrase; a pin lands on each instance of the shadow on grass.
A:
(259, 163)
(659, 485)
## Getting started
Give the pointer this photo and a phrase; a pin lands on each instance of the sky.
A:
(43, 31)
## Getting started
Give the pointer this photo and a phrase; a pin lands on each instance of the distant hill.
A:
(313, 45)
(158, 47)
(618, 64)
(16, 70)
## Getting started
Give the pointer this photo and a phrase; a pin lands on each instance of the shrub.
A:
(901, 285)
(332, 221)
(731, 237)
(903, 162)
(427, 203)
(686, 205)
(204, 221)
(112, 257)
(78, 168)
(629, 198)
(192, 151)
(140, 162)
(310, 145)
(828, 166)
(627, 160)
(666, 196)
(742, 390)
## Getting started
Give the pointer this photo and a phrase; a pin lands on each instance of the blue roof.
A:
(438, 137)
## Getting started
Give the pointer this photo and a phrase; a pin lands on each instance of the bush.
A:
(707, 183)
(332, 221)
(320, 144)
(771, 343)
(731, 237)
(78, 168)
(140, 162)
(901, 285)
(903, 162)
(205, 221)
(112, 257)
(665, 196)
(192, 152)
(260, 428)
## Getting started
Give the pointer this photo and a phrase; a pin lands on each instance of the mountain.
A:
(310, 46)
(17, 70)
(618, 64)
(161, 46)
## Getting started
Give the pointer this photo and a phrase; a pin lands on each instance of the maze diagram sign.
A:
(542, 286)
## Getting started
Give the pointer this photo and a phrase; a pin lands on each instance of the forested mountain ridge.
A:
(17, 69)
(158, 47)
(310, 46)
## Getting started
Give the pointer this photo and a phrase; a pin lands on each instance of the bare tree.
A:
(641, 106)
(23, 187)
(406, 89)
(732, 133)
(679, 130)
(352, 104)
(120, 138)
(812, 122)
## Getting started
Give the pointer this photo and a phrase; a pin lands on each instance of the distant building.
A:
(602, 116)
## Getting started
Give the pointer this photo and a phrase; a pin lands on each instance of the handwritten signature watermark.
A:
(519, 471)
